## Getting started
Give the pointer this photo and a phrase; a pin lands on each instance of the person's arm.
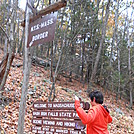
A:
(109, 119)
(86, 118)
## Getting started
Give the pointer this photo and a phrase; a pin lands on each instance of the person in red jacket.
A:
(98, 115)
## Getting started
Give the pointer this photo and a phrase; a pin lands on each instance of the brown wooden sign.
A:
(55, 114)
(42, 30)
(48, 130)
(58, 123)
(58, 105)
(57, 118)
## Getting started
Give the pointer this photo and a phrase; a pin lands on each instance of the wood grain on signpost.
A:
(51, 8)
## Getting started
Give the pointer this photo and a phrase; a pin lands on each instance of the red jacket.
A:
(96, 119)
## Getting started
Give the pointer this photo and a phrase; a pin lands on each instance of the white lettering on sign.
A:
(31, 43)
(40, 105)
(40, 36)
(43, 113)
(42, 24)
(62, 114)
(36, 128)
(49, 105)
(36, 113)
(75, 115)
(59, 123)
(36, 27)
(42, 30)
(69, 124)
(41, 132)
(52, 113)
(37, 121)
(63, 105)
(48, 122)
(49, 132)
(45, 129)
(47, 23)
(74, 132)
(61, 131)
(52, 130)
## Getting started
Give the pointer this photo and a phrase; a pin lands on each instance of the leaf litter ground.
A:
(39, 88)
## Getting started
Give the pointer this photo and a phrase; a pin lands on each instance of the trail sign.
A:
(42, 30)
(27, 63)
(55, 114)
(59, 123)
(58, 105)
(48, 130)
(57, 118)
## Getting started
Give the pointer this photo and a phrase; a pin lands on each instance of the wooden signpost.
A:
(51, 8)
(42, 34)
(57, 118)
(42, 26)
(33, 40)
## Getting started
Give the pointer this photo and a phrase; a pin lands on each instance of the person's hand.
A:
(76, 98)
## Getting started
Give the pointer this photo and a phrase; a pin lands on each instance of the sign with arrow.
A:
(42, 30)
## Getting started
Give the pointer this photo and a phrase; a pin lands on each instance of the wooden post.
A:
(27, 62)
(27, 66)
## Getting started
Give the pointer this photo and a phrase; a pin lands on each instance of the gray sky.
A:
(22, 4)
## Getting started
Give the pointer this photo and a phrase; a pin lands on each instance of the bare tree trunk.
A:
(27, 66)
(113, 42)
(119, 70)
(7, 26)
(21, 42)
(72, 46)
(14, 29)
(129, 62)
(101, 42)
(9, 62)
(4, 12)
(18, 34)
(9, 49)
(130, 72)
(20, 47)
(51, 67)
(48, 49)
(55, 75)
(52, 92)
(82, 55)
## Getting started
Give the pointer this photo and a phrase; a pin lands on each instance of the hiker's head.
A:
(96, 97)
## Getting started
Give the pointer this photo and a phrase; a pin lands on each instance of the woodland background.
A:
(93, 48)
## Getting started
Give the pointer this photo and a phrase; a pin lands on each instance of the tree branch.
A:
(5, 33)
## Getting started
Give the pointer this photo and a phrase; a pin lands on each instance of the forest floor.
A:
(39, 89)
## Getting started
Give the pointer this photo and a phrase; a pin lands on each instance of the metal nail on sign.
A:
(42, 30)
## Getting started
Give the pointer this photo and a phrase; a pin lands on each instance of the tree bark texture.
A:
(27, 66)
(129, 64)
(101, 43)
(10, 57)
